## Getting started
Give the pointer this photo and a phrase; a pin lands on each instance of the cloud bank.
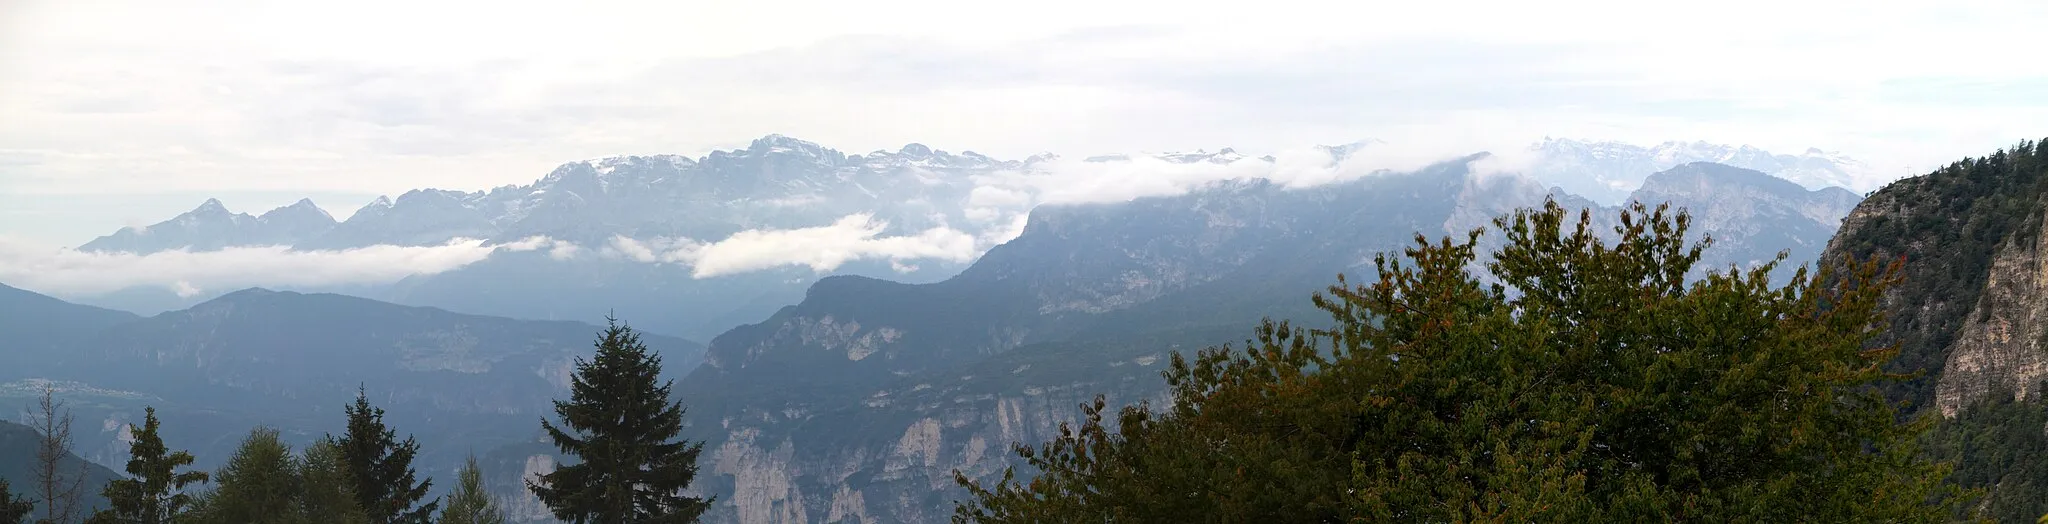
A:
(188, 273)
(822, 249)
(826, 248)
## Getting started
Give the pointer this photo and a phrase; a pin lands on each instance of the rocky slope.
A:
(1969, 314)
(857, 404)
(211, 227)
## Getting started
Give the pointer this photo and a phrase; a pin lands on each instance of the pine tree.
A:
(381, 467)
(621, 423)
(259, 485)
(156, 492)
(1589, 383)
(470, 503)
(13, 510)
(327, 492)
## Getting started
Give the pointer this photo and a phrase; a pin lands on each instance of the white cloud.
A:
(1077, 181)
(824, 248)
(186, 100)
(69, 272)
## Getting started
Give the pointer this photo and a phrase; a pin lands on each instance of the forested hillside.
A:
(1971, 315)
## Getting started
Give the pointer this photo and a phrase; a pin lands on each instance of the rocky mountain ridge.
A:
(859, 402)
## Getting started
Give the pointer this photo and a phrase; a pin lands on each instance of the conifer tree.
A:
(1591, 382)
(13, 510)
(156, 492)
(259, 485)
(327, 492)
(381, 467)
(621, 423)
(470, 503)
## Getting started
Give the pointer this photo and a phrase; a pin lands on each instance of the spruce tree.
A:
(621, 423)
(381, 467)
(156, 492)
(470, 503)
(13, 510)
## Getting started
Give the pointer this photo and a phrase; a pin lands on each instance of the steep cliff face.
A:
(1968, 316)
(1999, 347)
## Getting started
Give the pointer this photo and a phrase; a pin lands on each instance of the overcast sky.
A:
(117, 113)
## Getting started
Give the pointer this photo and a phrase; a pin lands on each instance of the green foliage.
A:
(470, 503)
(381, 466)
(259, 485)
(621, 423)
(2000, 445)
(327, 491)
(1594, 384)
(1946, 225)
(156, 492)
(13, 510)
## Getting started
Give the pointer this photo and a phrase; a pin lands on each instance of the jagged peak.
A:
(304, 206)
(777, 143)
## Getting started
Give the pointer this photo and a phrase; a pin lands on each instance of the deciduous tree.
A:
(1589, 383)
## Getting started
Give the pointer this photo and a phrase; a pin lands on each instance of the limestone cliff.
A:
(1971, 313)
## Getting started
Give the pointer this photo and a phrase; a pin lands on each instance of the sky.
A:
(124, 113)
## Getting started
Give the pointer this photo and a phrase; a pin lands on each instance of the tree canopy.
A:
(1576, 379)
(620, 421)
(13, 509)
(380, 465)
(156, 492)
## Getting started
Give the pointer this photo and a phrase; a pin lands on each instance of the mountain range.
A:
(630, 234)
(851, 397)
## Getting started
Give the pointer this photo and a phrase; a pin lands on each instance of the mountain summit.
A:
(211, 227)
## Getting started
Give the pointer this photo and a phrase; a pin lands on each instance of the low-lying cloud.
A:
(822, 249)
(190, 273)
(995, 210)
(1079, 181)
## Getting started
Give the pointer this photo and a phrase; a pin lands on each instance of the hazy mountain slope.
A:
(1750, 215)
(291, 360)
(211, 226)
(35, 326)
(1608, 172)
(608, 208)
(18, 464)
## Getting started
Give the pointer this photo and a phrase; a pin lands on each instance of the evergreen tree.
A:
(155, 493)
(620, 422)
(13, 510)
(470, 503)
(259, 485)
(1592, 383)
(381, 467)
(327, 492)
